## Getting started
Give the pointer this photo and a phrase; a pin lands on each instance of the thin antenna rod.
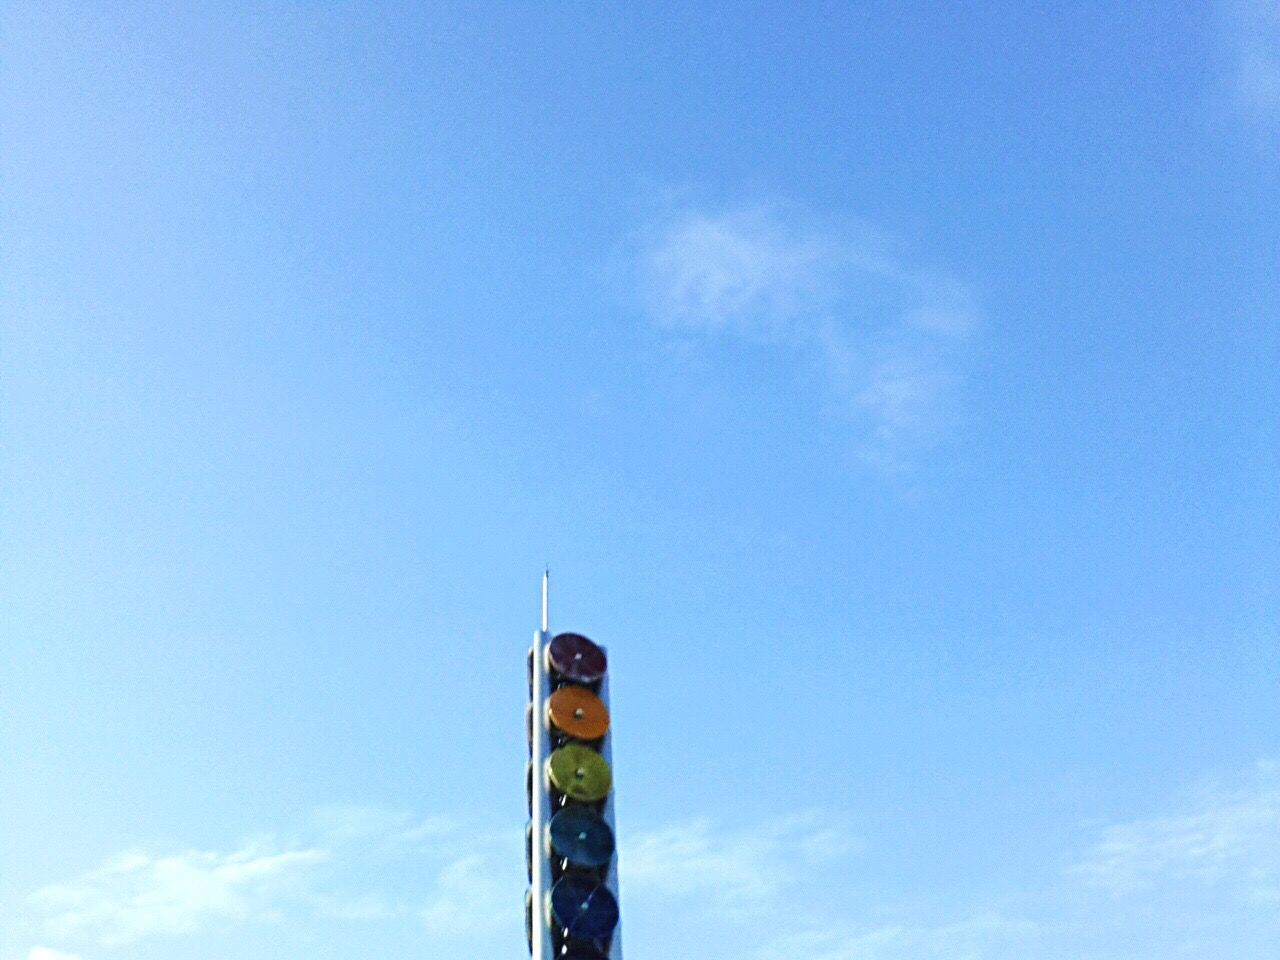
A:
(546, 592)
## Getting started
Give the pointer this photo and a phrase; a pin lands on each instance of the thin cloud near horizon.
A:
(1215, 853)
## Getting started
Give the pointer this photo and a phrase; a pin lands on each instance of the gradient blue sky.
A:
(893, 388)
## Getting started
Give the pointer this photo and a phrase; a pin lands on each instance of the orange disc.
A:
(578, 712)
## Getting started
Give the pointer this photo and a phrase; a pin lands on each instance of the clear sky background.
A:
(892, 387)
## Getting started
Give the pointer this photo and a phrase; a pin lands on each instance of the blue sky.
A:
(892, 389)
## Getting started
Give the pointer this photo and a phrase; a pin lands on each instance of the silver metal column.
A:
(611, 877)
(540, 815)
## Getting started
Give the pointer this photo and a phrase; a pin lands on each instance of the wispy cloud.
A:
(342, 822)
(1229, 839)
(971, 939)
(470, 878)
(354, 869)
(1202, 880)
(735, 876)
(135, 895)
(732, 870)
(1255, 39)
(462, 886)
(885, 334)
(1199, 880)
(472, 895)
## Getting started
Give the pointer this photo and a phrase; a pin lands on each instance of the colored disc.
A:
(581, 837)
(574, 656)
(528, 918)
(528, 849)
(578, 712)
(579, 773)
(584, 908)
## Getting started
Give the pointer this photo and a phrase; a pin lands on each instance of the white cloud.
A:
(1256, 40)
(365, 907)
(1229, 839)
(474, 894)
(884, 335)
(1201, 880)
(733, 877)
(971, 939)
(742, 271)
(903, 395)
(135, 895)
(357, 822)
(733, 870)
(690, 858)
(430, 831)
(729, 871)
(372, 857)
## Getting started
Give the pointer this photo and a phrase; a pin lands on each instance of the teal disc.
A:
(581, 837)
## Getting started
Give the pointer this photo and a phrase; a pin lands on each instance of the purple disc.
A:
(575, 657)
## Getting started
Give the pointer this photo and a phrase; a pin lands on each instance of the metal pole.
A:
(611, 876)
(540, 815)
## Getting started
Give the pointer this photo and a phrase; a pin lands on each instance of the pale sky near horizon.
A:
(892, 387)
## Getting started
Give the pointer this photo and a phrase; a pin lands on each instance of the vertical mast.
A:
(540, 880)
(572, 904)
(546, 594)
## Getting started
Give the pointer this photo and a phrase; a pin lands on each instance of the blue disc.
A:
(583, 908)
(581, 837)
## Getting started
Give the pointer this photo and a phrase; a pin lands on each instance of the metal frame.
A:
(540, 814)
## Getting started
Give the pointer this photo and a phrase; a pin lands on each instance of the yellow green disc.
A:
(579, 772)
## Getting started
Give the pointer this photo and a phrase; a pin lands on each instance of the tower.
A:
(571, 908)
